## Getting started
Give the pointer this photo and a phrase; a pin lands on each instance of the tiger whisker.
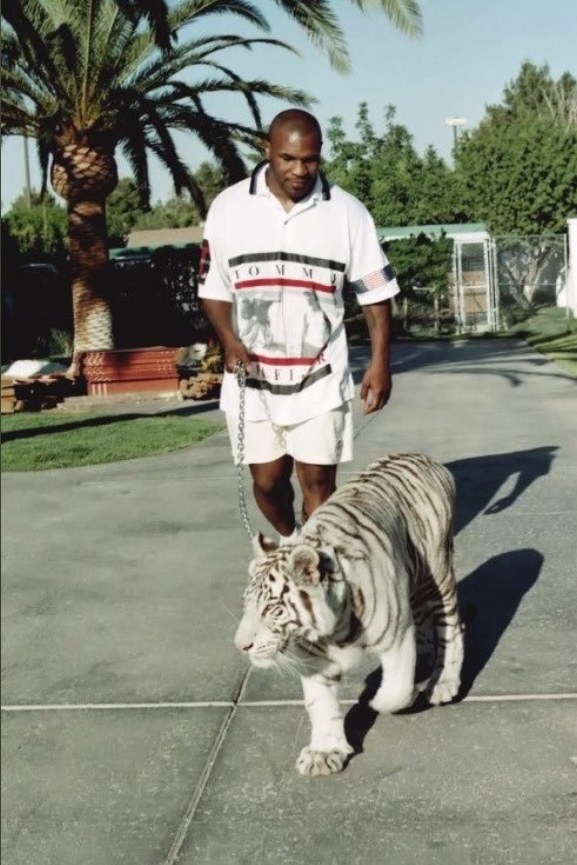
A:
(287, 664)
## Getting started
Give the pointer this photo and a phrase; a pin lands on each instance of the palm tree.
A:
(316, 17)
(85, 77)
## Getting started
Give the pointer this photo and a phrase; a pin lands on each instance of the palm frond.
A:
(320, 23)
(405, 15)
(191, 11)
(134, 148)
(156, 13)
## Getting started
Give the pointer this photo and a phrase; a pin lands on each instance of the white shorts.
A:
(323, 440)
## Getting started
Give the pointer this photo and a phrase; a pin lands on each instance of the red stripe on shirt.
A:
(283, 361)
(286, 283)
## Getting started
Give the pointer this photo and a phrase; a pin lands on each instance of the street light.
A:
(455, 122)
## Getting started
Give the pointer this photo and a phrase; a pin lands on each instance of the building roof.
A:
(464, 231)
(155, 237)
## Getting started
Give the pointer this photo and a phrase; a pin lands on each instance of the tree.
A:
(125, 213)
(123, 210)
(535, 94)
(518, 169)
(518, 172)
(422, 266)
(210, 179)
(85, 78)
(398, 186)
(520, 177)
(38, 230)
(177, 212)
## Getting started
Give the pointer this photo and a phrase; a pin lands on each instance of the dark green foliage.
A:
(518, 169)
(177, 212)
(39, 229)
(123, 210)
(421, 263)
(386, 173)
(520, 177)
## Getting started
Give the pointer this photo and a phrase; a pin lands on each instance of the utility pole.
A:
(27, 173)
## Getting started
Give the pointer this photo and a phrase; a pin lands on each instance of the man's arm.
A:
(377, 383)
(219, 313)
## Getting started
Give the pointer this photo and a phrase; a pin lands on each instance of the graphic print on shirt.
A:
(286, 308)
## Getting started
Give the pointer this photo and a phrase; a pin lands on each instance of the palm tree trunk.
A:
(84, 175)
(90, 277)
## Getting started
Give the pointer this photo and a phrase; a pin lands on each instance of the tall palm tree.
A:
(85, 77)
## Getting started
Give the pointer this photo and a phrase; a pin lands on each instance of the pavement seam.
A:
(235, 703)
(186, 821)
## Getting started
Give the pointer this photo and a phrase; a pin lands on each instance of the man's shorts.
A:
(323, 440)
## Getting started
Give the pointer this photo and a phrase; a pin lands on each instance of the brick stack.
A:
(203, 385)
(131, 370)
(34, 393)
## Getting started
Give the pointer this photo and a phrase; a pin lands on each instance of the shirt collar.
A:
(258, 185)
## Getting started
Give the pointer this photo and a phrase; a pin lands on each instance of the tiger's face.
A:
(285, 599)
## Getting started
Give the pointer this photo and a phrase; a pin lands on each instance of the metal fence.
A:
(492, 284)
(529, 270)
(474, 292)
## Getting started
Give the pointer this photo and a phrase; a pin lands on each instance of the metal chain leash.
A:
(240, 374)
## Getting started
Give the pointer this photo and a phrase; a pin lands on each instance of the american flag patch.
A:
(374, 280)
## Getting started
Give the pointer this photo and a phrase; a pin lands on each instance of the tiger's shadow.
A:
(489, 598)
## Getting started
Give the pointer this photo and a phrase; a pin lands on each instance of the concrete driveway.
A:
(133, 733)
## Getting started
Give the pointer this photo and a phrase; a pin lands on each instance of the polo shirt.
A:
(284, 274)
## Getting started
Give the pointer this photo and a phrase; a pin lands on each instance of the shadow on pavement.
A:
(443, 356)
(70, 422)
(489, 599)
(479, 479)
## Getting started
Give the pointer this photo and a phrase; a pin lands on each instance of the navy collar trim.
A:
(326, 190)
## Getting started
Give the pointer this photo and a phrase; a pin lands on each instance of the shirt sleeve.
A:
(213, 276)
(369, 273)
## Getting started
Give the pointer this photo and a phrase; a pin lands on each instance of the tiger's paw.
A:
(442, 691)
(314, 763)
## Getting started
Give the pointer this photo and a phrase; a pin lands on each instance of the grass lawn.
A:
(53, 440)
(550, 331)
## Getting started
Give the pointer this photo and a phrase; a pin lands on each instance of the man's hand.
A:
(376, 387)
(219, 313)
(235, 352)
(377, 381)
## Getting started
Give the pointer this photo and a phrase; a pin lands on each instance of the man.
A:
(277, 251)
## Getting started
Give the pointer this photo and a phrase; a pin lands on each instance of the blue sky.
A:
(469, 51)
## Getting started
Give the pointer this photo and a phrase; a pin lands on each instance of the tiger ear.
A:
(263, 546)
(305, 565)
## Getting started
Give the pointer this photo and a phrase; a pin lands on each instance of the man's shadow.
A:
(480, 479)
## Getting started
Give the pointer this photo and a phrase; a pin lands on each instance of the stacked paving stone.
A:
(34, 393)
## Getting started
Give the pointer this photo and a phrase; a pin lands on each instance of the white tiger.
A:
(371, 571)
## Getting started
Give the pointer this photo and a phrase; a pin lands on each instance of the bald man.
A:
(278, 250)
